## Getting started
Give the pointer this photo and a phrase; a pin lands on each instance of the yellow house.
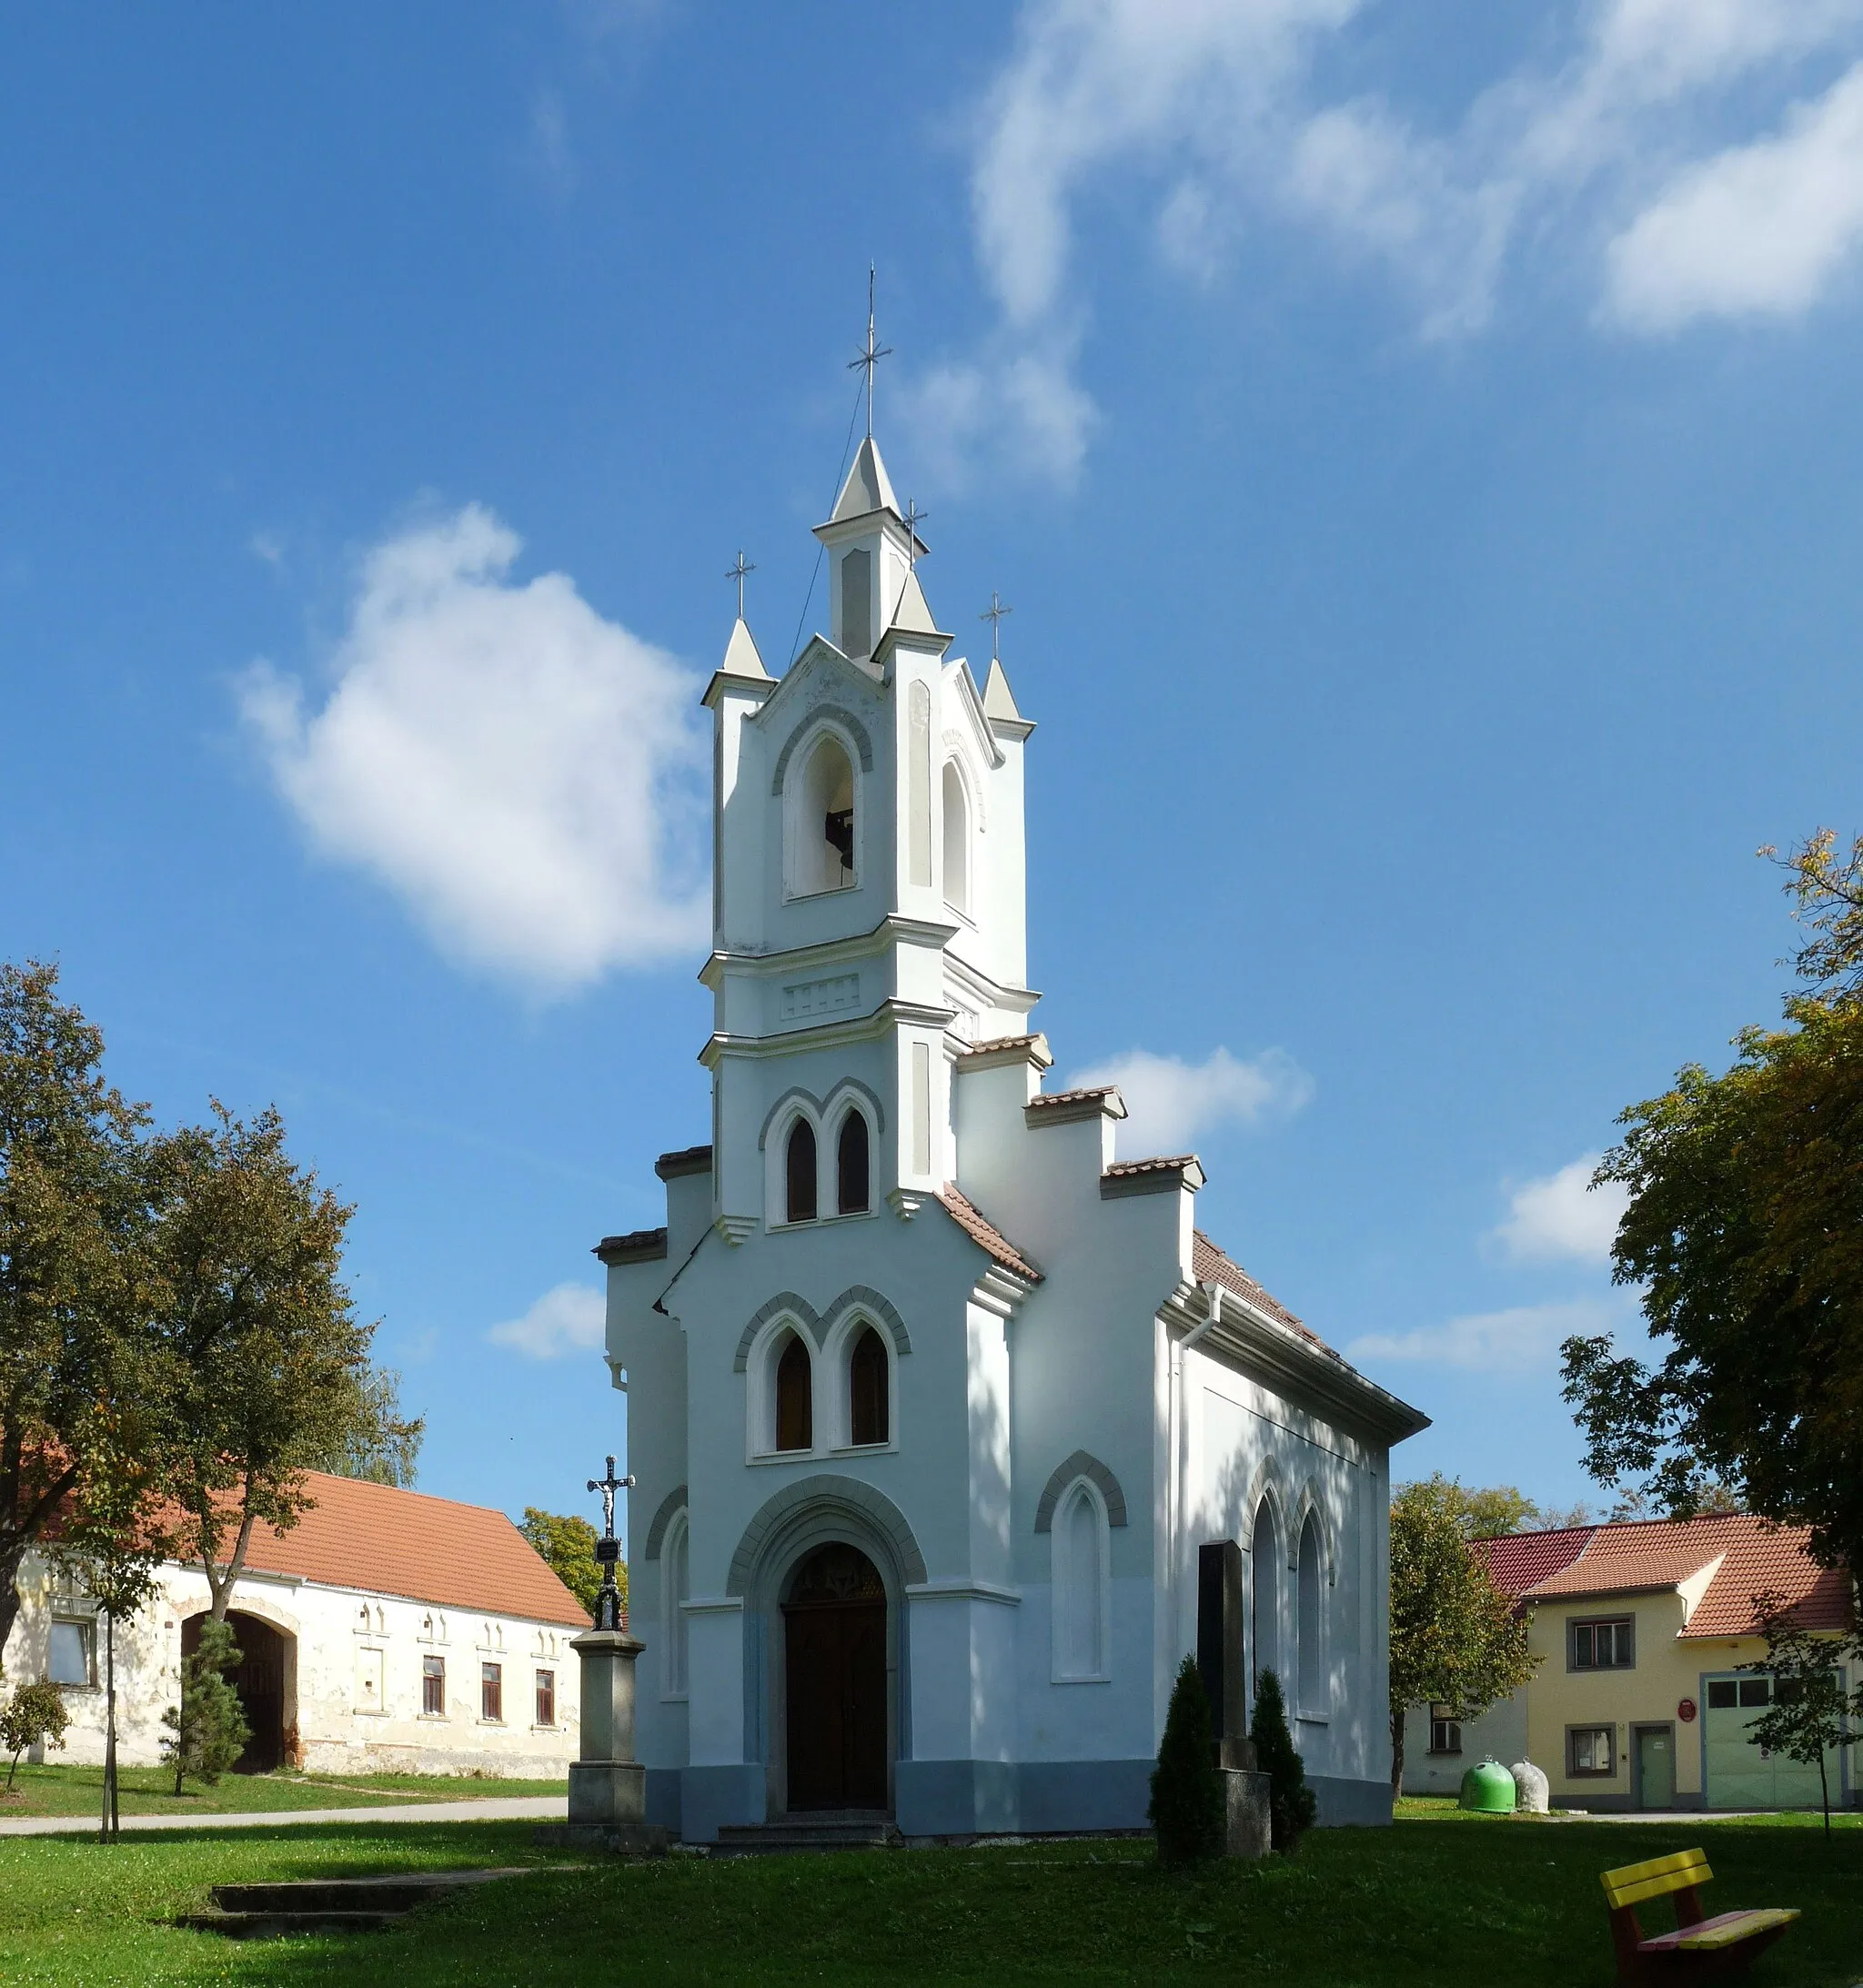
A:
(1641, 1700)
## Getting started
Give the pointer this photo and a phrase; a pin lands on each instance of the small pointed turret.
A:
(998, 699)
(913, 612)
(868, 488)
(741, 657)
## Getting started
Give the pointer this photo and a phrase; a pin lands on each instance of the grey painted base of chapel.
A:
(980, 1798)
(1351, 1804)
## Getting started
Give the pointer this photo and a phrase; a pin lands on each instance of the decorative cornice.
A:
(640, 1246)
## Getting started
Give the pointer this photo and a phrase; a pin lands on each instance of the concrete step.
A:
(807, 1833)
(264, 1912)
(274, 1925)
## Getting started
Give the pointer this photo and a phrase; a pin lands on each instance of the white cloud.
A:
(1563, 1215)
(520, 772)
(570, 1318)
(1525, 1337)
(1606, 151)
(1757, 230)
(1171, 1103)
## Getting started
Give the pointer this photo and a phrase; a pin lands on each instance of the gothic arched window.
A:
(957, 839)
(851, 1185)
(1080, 1585)
(675, 1561)
(867, 1390)
(1312, 1669)
(1264, 1594)
(799, 1174)
(795, 1397)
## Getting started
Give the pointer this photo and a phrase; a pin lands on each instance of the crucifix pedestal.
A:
(608, 1786)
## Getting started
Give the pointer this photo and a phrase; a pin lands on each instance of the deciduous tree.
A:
(33, 1716)
(1745, 1233)
(1814, 1713)
(1455, 1636)
(270, 1364)
(568, 1545)
(74, 1274)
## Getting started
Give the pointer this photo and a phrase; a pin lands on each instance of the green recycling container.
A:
(1488, 1789)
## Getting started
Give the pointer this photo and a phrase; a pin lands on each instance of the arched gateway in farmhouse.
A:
(936, 1399)
(263, 1681)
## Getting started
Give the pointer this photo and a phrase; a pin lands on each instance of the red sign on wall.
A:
(1686, 1712)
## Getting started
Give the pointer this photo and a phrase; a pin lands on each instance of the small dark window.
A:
(491, 1691)
(795, 1409)
(851, 1165)
(799, 1172)
(1604, 1646)
(433, 1687)
(546, 1698)
(867, 1387)
(1590, 1749)
(1445, 1730)
(1756, 1690)
(1723, 1695)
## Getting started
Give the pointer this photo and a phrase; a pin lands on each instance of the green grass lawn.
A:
(150, 1790)
(1426, 1902)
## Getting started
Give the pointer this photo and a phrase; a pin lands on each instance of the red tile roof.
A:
(985, 1233)
(1209, 1265)
(1650, 1556)
(393, 1542)
(1518, 1561)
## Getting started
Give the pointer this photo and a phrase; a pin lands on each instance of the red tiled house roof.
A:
(1519, 1561)
(394, 1542)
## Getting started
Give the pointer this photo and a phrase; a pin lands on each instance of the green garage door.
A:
(1739, 1776)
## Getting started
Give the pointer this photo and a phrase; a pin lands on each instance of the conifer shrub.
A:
(33, 1716)
(1188, 1808)
(1291, 1803)
(208, 1731)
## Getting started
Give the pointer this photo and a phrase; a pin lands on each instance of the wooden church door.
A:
(834, 1630)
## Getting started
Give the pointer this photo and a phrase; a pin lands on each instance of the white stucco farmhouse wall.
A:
(353, 1676)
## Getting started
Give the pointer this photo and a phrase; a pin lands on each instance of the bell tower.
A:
(868, 894)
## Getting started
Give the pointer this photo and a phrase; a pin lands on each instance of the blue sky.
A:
(1421, 453)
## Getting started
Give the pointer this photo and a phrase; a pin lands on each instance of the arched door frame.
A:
(815, 1512)
(287, 1627)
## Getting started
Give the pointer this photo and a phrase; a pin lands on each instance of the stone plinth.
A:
(1245, 1795)
(608, 1786)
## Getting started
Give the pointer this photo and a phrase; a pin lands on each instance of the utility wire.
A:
(847, 449)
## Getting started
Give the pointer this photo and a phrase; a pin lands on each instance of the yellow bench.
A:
(1700, 1949)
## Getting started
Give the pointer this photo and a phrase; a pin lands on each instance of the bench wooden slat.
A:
(1731, 1928)
(1633, 1883)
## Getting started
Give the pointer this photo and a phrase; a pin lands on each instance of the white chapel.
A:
(951, 1432)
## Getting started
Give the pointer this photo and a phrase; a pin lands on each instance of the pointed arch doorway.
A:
(835, 1682)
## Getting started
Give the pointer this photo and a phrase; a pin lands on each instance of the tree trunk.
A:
(1396, 1752)
(111, 1817)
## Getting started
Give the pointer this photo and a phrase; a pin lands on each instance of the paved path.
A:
(492, 1808)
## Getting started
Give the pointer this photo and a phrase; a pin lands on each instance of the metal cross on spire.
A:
(993, 614)
(871, 354)
(736, 571)
(914, 518)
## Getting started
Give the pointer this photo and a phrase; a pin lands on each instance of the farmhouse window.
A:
(1609, 1645)
(491, 1692)
(73, 1656)
(546, 1698)
(433, 1687)
(1590, 1749)
(1445, 1731)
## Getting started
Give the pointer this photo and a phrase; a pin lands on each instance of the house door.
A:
(834, 1672)
(259, 1682)
(1655, 1767)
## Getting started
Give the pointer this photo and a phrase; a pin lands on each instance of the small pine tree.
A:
(1291, 1804)
(36, 1713)
(208, 1731)
(1188, 1808)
